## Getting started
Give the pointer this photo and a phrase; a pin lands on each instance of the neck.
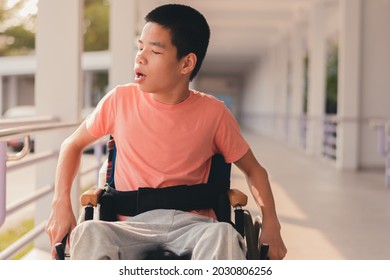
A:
(171, 100)
(172, 96)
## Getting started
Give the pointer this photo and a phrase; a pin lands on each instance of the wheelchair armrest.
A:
(90, 197)
(237, 198)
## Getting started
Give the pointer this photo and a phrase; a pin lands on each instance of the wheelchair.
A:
(104, 203)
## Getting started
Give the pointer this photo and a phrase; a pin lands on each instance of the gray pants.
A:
(180, 232)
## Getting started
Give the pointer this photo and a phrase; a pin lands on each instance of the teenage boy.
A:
(165, 135)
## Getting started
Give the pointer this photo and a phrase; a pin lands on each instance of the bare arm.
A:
(257, 179)
(62, 219)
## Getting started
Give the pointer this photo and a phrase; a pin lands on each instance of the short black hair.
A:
(189, 30)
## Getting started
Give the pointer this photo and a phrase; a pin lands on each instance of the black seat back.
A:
(220, 173)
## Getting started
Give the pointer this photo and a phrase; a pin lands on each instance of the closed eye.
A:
(156, 52)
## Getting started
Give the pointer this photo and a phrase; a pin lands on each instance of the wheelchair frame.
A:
(220, 171)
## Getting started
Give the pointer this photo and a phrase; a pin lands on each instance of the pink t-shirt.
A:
(161, 145)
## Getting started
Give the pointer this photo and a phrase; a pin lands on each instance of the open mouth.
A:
(139, 75)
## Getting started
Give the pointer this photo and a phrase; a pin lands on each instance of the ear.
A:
(188, 63)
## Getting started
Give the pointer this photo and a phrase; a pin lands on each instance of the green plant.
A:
(11, 235)
(332, 80)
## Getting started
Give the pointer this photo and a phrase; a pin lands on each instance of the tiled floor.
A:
(325, 213)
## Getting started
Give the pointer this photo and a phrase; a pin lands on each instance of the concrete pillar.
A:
(1, 95)
(297, 83)
(58, 84)
(375, 81)
(271, 127)
(348, 103)
(317, 62)
(88, 82)
(122, 41)
(281, 61)
(13, 92)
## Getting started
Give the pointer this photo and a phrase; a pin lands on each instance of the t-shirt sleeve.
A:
(228, 138)
(101, 121)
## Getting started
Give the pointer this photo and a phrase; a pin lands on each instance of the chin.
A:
(141, 87)
(146, 88)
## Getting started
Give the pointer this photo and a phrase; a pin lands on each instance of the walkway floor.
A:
(324, 213)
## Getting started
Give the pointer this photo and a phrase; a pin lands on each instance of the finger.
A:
(272, 255)
(49, 232)
(276, 255)
(53, 252)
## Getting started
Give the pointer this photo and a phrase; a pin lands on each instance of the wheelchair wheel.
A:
(257, 225)
(251, 237)
(263, 249)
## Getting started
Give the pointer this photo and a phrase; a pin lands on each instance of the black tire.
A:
(251, 238)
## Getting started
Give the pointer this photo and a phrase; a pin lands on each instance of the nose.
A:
(140, 58)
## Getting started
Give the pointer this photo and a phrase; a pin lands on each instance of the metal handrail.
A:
(379, 122)
(12, 122)
(29, 199)
(25, 150)
(36, 157)
(25, 131)
(21, 131)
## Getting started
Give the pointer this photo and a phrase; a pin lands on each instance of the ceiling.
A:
(240, 30)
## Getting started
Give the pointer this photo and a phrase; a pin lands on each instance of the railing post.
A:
(3, 180)
(98, 153)
(303, 131)
(386, 137)
(330, 137)
(382, 129)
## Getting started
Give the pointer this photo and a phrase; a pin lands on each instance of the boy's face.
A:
(157, 69)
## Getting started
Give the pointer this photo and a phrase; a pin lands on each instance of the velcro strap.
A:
(184, 197)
